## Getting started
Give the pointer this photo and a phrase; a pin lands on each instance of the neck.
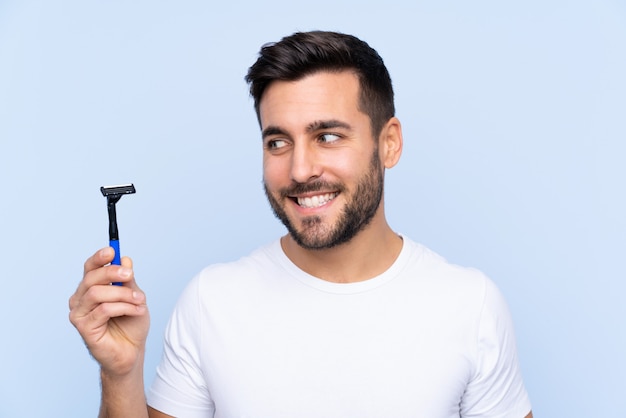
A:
(370, 253)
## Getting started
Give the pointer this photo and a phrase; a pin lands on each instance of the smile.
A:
(316, 201)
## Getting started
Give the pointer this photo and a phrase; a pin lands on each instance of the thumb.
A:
(127, 262)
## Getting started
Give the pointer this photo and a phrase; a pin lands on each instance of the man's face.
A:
(321, 168)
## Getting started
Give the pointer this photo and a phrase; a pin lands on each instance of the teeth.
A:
(315, 201)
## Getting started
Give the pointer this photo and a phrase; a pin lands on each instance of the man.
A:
(341, 317)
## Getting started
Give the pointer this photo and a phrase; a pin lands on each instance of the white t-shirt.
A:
(261, 338)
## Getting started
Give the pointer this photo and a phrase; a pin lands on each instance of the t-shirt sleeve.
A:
(179, 388)
(496, 388)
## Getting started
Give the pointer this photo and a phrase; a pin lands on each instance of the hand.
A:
(113, 320)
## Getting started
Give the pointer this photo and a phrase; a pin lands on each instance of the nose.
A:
(305, 163)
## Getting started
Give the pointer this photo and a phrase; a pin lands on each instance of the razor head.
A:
(117, 191)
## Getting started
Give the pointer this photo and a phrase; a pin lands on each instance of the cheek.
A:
(350, 166)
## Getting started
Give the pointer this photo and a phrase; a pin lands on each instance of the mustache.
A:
(309, 187)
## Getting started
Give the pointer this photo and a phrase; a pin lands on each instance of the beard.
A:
(360, 208)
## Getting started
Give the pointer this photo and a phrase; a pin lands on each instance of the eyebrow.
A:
(327, 124)
(312, 127)
(272, 130)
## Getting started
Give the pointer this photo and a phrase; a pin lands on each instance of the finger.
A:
(98, 273)
(97, 319)
(105, 295)
(96, 287)
(100, 258)
(105, 311)
(102, 276)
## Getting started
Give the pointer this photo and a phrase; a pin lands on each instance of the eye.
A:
(275, 144)
(329, 138)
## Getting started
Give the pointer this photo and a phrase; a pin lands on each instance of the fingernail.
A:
(124, 272)
(105, 252)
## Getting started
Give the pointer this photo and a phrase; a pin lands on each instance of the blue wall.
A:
(514, 123)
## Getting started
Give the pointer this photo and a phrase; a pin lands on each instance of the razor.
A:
(113, 195)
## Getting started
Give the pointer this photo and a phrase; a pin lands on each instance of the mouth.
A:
(316, 201)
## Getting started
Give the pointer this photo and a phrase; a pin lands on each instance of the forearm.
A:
(123, 396)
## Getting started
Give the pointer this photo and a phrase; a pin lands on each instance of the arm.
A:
(113, 321)
(153, 413)
(496, 387)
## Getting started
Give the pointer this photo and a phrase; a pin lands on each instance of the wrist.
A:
(123, 394)
(121, 373)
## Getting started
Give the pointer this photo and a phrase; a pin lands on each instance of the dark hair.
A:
(305, 53)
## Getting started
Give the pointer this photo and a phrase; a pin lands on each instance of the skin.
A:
(313, 132)
(315, 137)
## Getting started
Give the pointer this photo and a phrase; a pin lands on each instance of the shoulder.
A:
(239, 277)
(261, 261)
(452, 289)
(439, 273)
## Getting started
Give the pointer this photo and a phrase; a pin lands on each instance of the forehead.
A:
(319, 96)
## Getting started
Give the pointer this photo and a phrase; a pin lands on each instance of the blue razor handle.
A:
(117, 258)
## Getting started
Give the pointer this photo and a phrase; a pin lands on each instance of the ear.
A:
(391, 142)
